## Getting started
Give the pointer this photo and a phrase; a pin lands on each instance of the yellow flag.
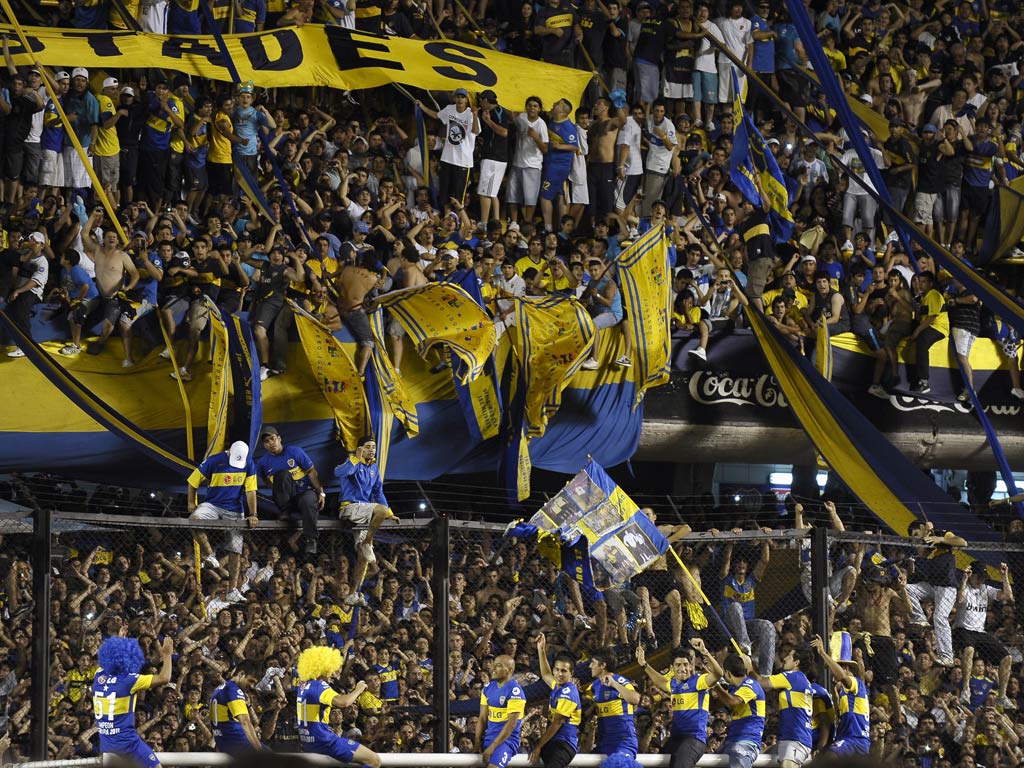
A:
(555, 336)
(444, 314)
(392, 387)
(220, 379)
(337, 376)
(312, 55)
(647, 298)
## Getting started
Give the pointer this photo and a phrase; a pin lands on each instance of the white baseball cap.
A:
(80, 72)
(37, 237)
(237, 454)
(128, 90)
(110, 82)
(62, 75)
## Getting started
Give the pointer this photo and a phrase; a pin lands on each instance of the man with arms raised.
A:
(558, 744)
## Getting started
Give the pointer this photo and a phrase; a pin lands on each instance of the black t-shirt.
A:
(938, 568)
(595, 26)
(129, 129)
(492, 146)
(966, 316)
(651, 40)
(397, 25)
(557, 49)
(272, 283)
(757, 235)
(19, 120)
(952, 168)
(929, 170)
(615, 47)
(904, 153)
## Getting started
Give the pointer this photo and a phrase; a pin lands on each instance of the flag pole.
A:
(707, 603)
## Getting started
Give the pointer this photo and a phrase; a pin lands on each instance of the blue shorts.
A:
(502, 755)
(553, 183)
(627, 747)
(232, 747)
(705, 87)
(850, 747)
(339, 748)
(134, 751)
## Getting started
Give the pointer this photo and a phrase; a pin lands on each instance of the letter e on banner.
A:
(349, 50)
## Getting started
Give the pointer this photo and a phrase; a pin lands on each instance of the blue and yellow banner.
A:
(443, 314)
(1004, 228)
(392, 387)
(220, 383)
(337, 376)
(247, 403)
(647, 296)
(552, 339)
(592, 508)
(751, 158)
(382, 417)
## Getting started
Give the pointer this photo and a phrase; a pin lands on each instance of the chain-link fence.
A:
(17, 604)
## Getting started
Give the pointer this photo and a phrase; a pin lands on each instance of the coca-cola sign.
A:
(716, 387)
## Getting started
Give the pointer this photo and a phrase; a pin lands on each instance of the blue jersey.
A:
(795, 706)
(690, 699)
(227, 704)
(854, 712)
(360, 482)
(313, 712)
(980, 687)
(74, 278)
(568, 133)
(744, 594)
(147, 286)
(247, 122)
(616, 727)
(91, 14)
(290, 458)
(227, 485)
(52, 137)
(978, 165)
(388, 680)
(747, 717)
(823, 712)
(113, 701)
(503, 701)
(565, 701)
(764, 50)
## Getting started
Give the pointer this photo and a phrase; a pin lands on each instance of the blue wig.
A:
(120, 656)
(619, 760)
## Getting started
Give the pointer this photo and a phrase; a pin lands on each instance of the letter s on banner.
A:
(463, 56)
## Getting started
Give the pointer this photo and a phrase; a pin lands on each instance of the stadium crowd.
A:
(536, 198)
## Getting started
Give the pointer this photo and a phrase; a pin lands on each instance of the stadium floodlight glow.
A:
(780, 478)
(423, 506)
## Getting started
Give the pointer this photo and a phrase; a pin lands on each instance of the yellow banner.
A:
(337, 376)
(647, 298)
(311, 55)
(444, 314)
(217, 418)
(555, 336)
(392, 387)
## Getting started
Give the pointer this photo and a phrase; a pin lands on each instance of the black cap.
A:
(268, 430)
(788, 293)
(488, 94)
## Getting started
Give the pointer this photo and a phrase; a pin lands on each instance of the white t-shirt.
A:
(852, 161)
(459, 139)
(40, 274)
(706, 53)
(630, 135)
(659, 157)
(528, 154)
(578, 174)
(736, 34)
(972, 612)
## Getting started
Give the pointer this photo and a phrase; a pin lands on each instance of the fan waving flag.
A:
(591, 508)
(751, 160)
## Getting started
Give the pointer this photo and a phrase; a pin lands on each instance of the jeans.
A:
(742, 630)
(942, 599)
(742, 754)
(289, 500)
(866, 206)
(925, 341)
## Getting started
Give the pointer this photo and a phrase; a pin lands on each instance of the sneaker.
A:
(581, 621)
(745, 648)
(234, 596)
(590, 364)
(965, 695)
(361, 537)
(700, 353)
(274, 371)
(70, 349)
(366, 551)
(923, 386)
(166, 354)
(1006, 702)
(1017, 392)
(182, 373)
(944, 662)
(964, 396)
(924, 623)
(264, 373)
(16, 352)
(711, 125)
(878, 391)
(128, 364)
(624, 362)
(212, 561)
(355, 598)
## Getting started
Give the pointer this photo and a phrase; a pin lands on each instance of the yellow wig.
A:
(319, 663)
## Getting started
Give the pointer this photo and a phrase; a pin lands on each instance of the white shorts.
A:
(670, 90)
(579, 192)
(523, 186)
(358, 512)
(963, 340)
(206, 511)
(75, 175)
(51, 169)
(795, 751)
(491, 175)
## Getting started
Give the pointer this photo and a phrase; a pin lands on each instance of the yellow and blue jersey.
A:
(795, 706)
(227, 704)
(360, 482)
(388, 680)
(854, 712)
(823, 712)
(616, 727)
(291, 458)
(227, 485)
(565, 701)
(313, 712)
(744, 593)
(690, 700)
(502, 702)
(748, 716)
(113, 701)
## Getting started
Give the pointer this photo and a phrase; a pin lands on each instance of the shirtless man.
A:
(354, 283)
(112, 264)
(914, 95)
(409, 276)
(656, 581)
(601, 160)
(873, 605)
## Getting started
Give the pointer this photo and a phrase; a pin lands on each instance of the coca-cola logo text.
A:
(712, 388)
